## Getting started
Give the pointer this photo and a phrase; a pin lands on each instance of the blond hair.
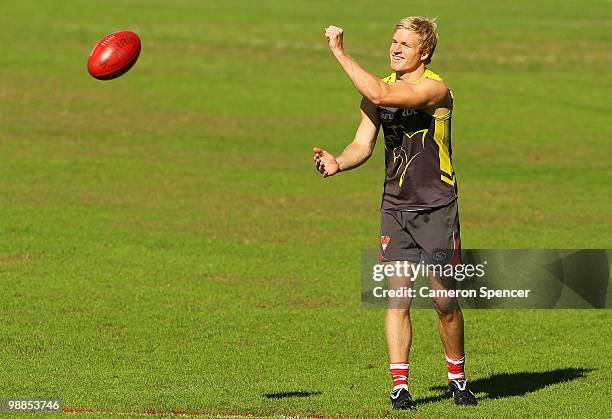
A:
(425, 28)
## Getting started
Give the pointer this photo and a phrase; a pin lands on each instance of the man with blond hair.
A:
(419, 213)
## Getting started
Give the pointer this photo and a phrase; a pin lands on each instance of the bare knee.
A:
(447, 308)
(398, 313)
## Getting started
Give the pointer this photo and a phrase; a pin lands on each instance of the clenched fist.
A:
(334, 36)
(325, 163)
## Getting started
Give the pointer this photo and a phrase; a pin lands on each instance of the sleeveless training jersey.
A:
(417, 156)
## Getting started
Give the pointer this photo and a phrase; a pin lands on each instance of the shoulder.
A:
(436, 90)
(434, 82)
(430, 87)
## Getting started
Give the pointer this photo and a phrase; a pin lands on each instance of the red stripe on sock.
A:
(399, 375)
(457, 368)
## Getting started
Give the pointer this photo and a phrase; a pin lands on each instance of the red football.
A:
(113, 55)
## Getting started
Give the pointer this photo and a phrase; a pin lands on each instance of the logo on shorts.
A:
(384, 241)
(439, 256)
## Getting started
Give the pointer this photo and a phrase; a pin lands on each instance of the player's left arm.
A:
(401, 94)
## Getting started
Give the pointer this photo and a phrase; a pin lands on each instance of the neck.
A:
(412, 75)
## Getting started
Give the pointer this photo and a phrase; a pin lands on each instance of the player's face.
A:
(404, 52)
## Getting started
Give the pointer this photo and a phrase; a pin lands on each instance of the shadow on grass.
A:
(287, 394)
(515, 384)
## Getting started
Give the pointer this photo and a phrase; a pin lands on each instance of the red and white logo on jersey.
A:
(384, 241)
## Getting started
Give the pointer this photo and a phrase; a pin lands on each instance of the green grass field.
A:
(165, 243)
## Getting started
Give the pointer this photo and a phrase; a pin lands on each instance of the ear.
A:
(424, 55)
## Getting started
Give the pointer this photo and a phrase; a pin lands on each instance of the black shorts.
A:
(430, 236)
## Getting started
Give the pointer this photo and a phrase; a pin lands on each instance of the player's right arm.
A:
(358, 151)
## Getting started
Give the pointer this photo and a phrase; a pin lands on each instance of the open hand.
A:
(325, 163)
